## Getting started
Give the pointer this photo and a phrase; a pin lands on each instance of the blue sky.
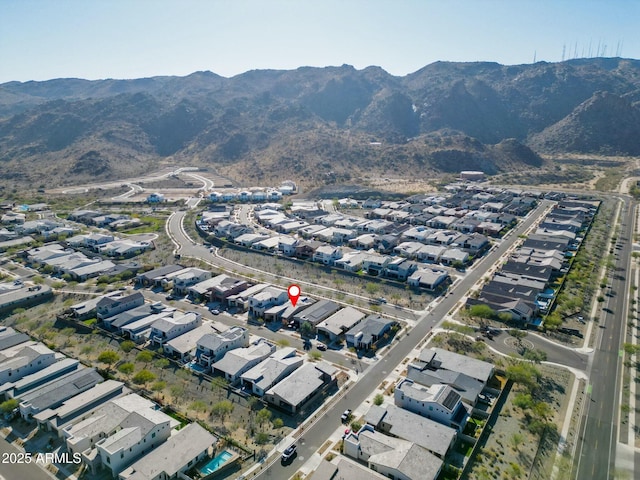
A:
(44, 39)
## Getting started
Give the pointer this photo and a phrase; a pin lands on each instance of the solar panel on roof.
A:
(451, 400)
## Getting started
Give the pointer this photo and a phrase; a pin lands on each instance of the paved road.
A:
(317, 434)
(15, 471)
(597, 451)
(556, 353)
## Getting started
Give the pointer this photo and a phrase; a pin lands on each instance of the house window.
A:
(108, 460)
(153, 435)
(430, 407)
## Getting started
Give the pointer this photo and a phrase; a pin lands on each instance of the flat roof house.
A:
(54, 418)
(438, 402)
(401, 423)
(238, 361)
(364, 334)
(271, 370)
(54, 393)
(168, 328)
(392, 457)
(110, 306)
(440, 359)
(265, 299)
(187, 278)
(154, 277)
(10, 338)
(19, 361)
(179, 453)
(184, 346)
(317, 312)
(340, 322)
(212, 346)
(291, 393)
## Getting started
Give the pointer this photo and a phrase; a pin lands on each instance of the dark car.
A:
(346, 415)
(289, 453)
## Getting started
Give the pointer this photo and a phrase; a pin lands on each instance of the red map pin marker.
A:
(294, 294)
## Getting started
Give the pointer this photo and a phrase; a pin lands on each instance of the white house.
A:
(266, 299)
(168, 328)
(212, 346)
(438, 402)
(327, 254)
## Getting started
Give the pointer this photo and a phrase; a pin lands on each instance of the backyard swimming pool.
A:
(216, 462)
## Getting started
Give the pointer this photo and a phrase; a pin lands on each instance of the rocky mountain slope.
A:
(321, 125)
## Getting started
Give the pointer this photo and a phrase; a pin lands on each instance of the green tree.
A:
(306, 329)
(9, 406)
(198, 406)
(378, 399)
(126, 368)
(355, 426)
(145, 357)
(278, 423)
(263, 416)
(524, 373)
(108, 357)
(162, 363)
(159, 385)
(371, 288)
(519, 336)
(222, 408)
(127, 346)
(261, 438)
(143, 377)
(535, 355)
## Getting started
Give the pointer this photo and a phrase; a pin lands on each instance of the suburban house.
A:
(437, 359)
(401, 423)
(131, 419)
(184, 346)
(53, 419)
(238, 361)
(154, 278)
(149, 312)
(187, 278)
(211, 347)
(316, 313)
(293, 391)
(167, 328)
(391, 457)
(428, 278)
(109, 306)
(327, 254)
(241, 299)
(139, 433)
(15, 389)
(271, 370)
(265, 299)
(21, 360)
(173, 458)
(24, 297)
(438, 402)
(10, 338)
(343, 468)
(368, 331)
(340, 322)
(53, 394)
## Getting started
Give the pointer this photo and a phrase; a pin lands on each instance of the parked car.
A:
(215, 311)
(321, 346)
(346, 415)
(289, 453)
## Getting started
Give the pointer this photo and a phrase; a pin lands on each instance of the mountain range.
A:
(321, 125)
